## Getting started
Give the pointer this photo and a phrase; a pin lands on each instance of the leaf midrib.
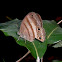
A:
(51, 32)
(35, 49)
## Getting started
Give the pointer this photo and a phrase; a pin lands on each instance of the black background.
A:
(10, 51)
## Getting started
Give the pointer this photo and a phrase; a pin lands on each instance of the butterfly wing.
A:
(26, 30)
(30, 26)
(39, 17)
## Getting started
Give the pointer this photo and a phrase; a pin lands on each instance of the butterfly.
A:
(32, 27)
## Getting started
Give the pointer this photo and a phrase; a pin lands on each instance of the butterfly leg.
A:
(18, 38)
(25, 40)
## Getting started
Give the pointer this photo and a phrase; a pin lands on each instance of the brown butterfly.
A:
(32, 27)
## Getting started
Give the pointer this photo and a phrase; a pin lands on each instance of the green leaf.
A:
(11, 28)
(37, 48)
(53, 31)
(58, 44)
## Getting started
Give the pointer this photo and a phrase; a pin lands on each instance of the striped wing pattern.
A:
(32, 27)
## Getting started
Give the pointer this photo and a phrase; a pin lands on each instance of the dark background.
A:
(10, 51)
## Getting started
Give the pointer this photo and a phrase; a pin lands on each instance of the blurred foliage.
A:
(58, 44)
(56, 61)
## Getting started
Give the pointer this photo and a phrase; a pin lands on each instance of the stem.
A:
(42, 59)
(59, 22)
(8, 18)
(38, 59)
(23, 56)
